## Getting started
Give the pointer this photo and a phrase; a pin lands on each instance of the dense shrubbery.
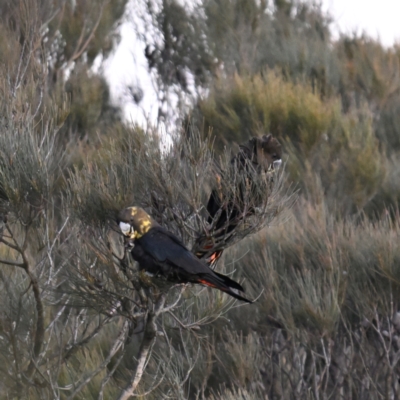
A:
(326, 149)
(76, 314)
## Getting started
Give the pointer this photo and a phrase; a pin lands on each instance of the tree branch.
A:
(116, 346)
(39, 331)
(73, 348)
(78, 52)
(13, 263)
(149, 338)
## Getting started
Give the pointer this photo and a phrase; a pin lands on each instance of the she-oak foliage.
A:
(78, 320)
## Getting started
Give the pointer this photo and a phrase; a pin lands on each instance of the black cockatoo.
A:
(257, 156)
(161, 253)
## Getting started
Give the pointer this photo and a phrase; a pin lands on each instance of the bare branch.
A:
(149, 338)
(72, 348)
(78, 52)
(115, 347)
(13, 263)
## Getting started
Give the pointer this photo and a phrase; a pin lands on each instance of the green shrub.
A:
(325, 149)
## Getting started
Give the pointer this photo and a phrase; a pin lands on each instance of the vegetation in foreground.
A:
(326, 271)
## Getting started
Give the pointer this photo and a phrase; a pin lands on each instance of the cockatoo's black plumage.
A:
(257, 156)
(161, 253)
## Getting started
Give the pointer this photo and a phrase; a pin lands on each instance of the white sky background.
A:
(128, 65)
(378, 18)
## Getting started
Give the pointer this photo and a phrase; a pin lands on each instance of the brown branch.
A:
(13, 263)
(73, 348)
(110, 374)
(119, 341)
(149, 338)
(40, 330)
(78, 53)
(115, 366)
(39, 333)
(8, 244)
(80, 39)
(182, 325)
(17, 247)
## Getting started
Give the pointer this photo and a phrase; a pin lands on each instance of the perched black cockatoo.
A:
(257, 156)
(161, 253)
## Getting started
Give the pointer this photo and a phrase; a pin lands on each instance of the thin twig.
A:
(116, 346)
(149, 338)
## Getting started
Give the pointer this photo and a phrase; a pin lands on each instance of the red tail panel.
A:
(206, 283)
